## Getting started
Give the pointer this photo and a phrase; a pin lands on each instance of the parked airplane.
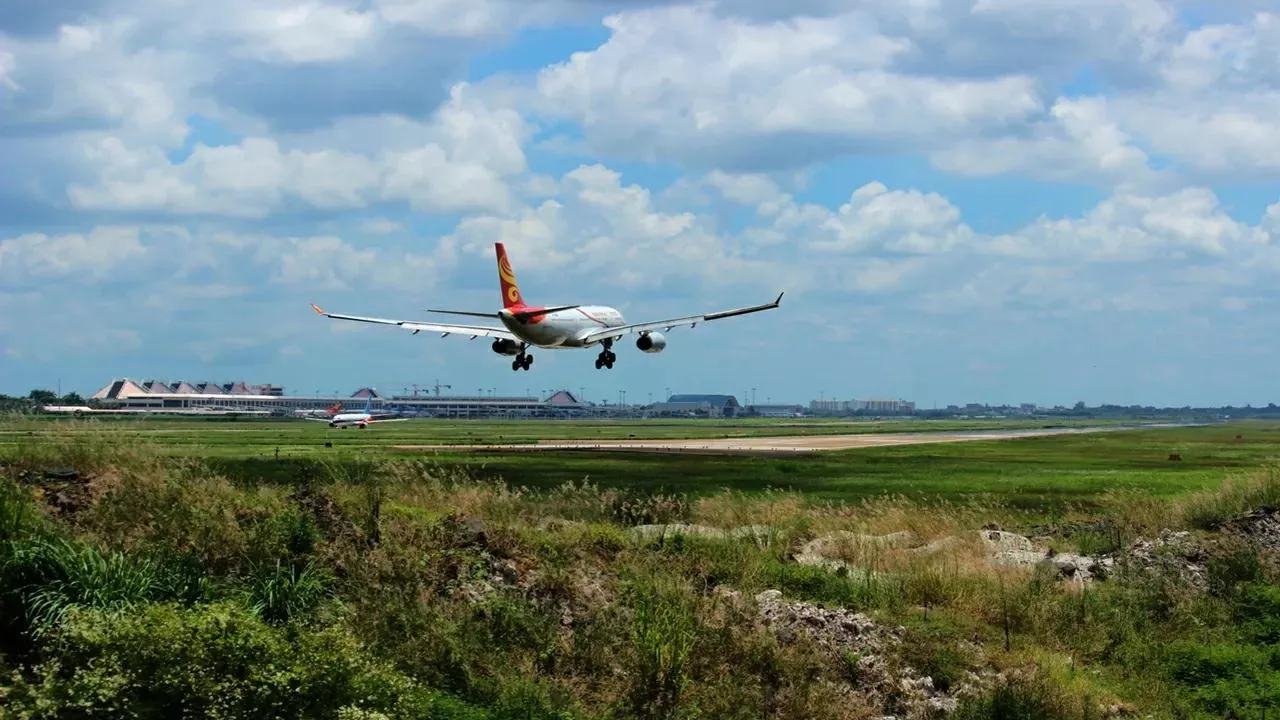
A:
(326, 413)
(555, 327)
(359, 418)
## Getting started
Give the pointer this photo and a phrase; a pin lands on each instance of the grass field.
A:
(250, 436)
(1041, 472)
(185, 570)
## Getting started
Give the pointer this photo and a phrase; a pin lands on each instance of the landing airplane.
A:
(556, 327)
(359, 418)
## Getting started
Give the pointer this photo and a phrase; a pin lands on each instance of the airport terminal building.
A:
(184, 397)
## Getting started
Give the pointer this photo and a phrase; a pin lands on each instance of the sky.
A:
(996, 201)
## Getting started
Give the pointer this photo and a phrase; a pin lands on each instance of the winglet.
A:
(317, 309)
(778, 301)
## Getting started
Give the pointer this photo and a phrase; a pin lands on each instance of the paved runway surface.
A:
(782, 444)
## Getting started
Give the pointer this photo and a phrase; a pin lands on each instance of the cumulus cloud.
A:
(1132, 228)
(685, 82)
(94, 255)
(609, 233)
(461, 160)
(983, 88)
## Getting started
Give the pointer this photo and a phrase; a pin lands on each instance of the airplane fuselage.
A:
(561, 328)
(343, 419)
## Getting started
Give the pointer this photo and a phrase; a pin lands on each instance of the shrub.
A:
(215, 661)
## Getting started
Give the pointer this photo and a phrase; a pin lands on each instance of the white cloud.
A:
(7, 65)
(304, 32)
(609, 233)
(94, 255)
(1078, 140)
(898, 221)
(681, 82)
(381, 226)
(1134, 228)
(462, 160)
(88, 75)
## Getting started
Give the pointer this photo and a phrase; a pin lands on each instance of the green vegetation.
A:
(241, 437)
(1039, 472)
(163, 581)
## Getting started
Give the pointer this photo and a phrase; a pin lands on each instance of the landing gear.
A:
(523, 361)
(606, 357)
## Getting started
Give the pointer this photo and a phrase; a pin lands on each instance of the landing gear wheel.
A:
(522, 362)
(528, 361)
(605, 359)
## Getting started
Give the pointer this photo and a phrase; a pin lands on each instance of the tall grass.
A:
(408, 583)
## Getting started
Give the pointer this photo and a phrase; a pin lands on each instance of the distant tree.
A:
(42, 396)
(72, 399)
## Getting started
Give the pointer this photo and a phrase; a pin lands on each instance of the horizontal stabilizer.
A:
(535, 312)
(467, 313)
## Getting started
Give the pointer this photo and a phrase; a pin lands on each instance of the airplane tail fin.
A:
(507, 279)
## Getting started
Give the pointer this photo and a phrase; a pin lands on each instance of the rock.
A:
(824, 551)
(938, 545)
(673, 529)
(1261, 525)
(1172, 552)
(891, 687)
(1006, 548)
(763, 535)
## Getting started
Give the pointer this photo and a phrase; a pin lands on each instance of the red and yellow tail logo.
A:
(507, 278)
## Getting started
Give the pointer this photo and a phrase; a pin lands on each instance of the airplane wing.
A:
(614, 333)
(445, 330)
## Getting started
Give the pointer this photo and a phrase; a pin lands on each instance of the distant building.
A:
(884, 407)
(833, 407)
(775, 411)
(872, 407)
(697, 406)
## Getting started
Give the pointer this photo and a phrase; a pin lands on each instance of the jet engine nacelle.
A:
(651, 342)
(503, 346)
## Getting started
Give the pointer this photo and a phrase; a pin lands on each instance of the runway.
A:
(764, 445)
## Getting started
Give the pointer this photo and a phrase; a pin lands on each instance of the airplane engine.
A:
(503, 346)
(651, 342)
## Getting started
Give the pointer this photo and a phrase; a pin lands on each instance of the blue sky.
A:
(1012, 201)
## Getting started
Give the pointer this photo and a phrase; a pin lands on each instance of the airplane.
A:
(360, 418)
(554, 327)
(326, 413)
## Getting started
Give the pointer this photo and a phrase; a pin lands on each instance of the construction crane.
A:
(437, 387)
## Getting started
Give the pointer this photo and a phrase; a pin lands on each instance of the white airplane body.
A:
(553, 327)
(358, 418)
